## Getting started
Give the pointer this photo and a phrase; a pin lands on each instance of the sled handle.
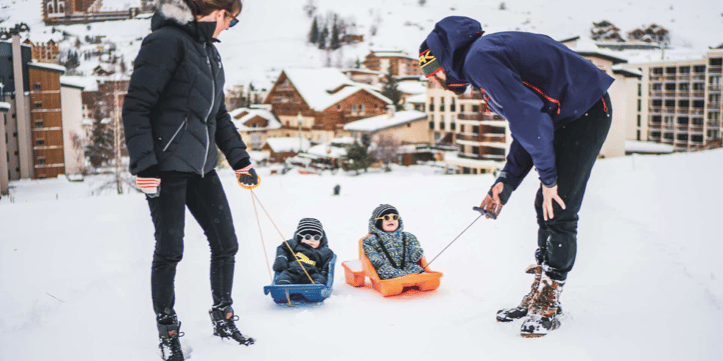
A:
(485, 212)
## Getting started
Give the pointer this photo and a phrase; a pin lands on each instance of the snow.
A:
(48, 66)
(89, 83)
(327, 150)
(637, 146)
(379, 122)
(5, 106)
(288, 144)
(417, 99)
(647, 285)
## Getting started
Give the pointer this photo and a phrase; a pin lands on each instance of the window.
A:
(683, 120)
(461, 128)
(475, 109)
(362, 108)
(39, 123)
(638, 134)
(431, 104)
(452, 126)
(431, 125)
(38, 105)
(657, 86)
(657, 71)
(640, 89)
(36, 86)
(699, 69)
(41, 160)
(40, 142)
(714, 98)
(453, 106)
(670, 86)
(696, 138)
(353, 108)
(338, 107)
(716, 62)
(683, 103)
(640, 102)
(698, 86)
(670, 103)
(684, 86)
(714, 80)
(441, 104)
(683, 137)
(638, 122)
(475, 129)
(670, 70)
(684, 70)
(475, 150)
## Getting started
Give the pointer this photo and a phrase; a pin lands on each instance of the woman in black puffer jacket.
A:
(174, 117)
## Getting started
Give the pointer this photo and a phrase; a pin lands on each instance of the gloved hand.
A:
(247, 176)
(149, 181)
(280, 265)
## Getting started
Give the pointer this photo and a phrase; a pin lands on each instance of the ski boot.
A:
(511, 314)
(170, 345)
(544, 310)
(224, 325)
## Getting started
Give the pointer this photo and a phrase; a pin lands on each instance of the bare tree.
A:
(386, 151)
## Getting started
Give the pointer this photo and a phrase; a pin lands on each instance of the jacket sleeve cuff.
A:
(241, 164)
(150, 172)
(550, 185)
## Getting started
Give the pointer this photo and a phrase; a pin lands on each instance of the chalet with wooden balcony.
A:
(254, 124)
(316, 103)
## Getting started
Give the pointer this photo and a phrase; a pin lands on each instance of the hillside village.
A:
(68, 120)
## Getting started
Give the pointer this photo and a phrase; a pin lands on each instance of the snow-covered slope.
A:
(648, 283)
(272, 33)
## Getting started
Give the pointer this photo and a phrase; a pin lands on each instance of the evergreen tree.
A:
(390, 89)
(357, 156)
(72, 62)
(314, 32)
(100, 150)
(323, 34)
(335, 42)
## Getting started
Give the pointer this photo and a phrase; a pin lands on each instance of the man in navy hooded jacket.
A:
(559, 113)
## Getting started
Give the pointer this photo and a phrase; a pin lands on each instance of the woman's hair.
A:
(205, 7)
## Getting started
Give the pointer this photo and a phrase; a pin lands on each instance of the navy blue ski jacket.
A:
(533, 81)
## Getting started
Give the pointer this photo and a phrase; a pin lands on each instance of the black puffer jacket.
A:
(174, 113)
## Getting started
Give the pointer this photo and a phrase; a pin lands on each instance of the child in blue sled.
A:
(309, 248)
(392, 252)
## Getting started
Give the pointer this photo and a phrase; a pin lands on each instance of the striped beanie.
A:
(310, 226)
(384, 209)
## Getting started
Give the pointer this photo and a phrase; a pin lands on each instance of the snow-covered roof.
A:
(47, 66)
(361, 70)
(412, 87)
(251, 113)
(89, 83)
(316, 85)
(4, 106)
(637, 146)
(392, 54)
(288, 144)
(384, 121)
(327, 150)
(619, 69)
(417, 99)
(453, 157)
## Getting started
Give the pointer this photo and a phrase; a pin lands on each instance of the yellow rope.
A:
(282, 236)
(266, 255)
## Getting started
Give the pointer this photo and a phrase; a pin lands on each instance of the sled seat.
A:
(356, 271)
(303, 293)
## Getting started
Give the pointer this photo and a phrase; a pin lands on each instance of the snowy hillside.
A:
(272, 33)
(648, 283)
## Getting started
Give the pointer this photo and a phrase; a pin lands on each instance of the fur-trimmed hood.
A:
(177, 13)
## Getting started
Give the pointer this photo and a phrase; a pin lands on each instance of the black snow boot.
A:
(224, 325)
(544, 311)
(511, 314)
(170, 345)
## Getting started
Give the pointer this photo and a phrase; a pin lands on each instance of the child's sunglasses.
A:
(389, 217)
(309, 237)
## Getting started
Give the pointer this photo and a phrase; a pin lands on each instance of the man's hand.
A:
(150, 186)
(492, 203)
(548, 195)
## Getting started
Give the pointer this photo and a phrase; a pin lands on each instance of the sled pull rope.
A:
(450, 243)
(280, 234)
(258, 223)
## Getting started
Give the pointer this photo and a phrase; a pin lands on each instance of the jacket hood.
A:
(177, 13)
(449, 42)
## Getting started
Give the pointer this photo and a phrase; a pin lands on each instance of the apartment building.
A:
(401, 64)
(679, 102)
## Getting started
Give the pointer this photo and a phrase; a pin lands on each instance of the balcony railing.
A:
(716, 69)
(697, 111)
(482, 138)
(669, 110)
(697, 129)
(480, 116)
(714, 88)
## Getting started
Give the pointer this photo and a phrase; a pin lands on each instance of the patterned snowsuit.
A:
(394, 242)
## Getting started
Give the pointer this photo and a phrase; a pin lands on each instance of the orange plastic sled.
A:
(357, 270)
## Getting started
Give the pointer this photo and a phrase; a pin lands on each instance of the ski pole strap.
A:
(404, 251)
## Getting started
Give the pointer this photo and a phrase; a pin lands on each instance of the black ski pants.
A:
(577, 145)
(206, 200)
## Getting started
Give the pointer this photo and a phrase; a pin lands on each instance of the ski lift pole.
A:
(483, 212)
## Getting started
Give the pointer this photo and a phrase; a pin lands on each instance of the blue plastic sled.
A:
(300, 294)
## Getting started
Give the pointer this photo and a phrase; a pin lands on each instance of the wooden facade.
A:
(320, 124)
(402, 65)
(46, 122)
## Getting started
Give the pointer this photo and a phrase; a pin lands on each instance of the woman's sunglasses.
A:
(233, 22)
(309, 237)
(389, 217)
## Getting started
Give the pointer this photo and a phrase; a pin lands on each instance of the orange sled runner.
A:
(357, 270)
